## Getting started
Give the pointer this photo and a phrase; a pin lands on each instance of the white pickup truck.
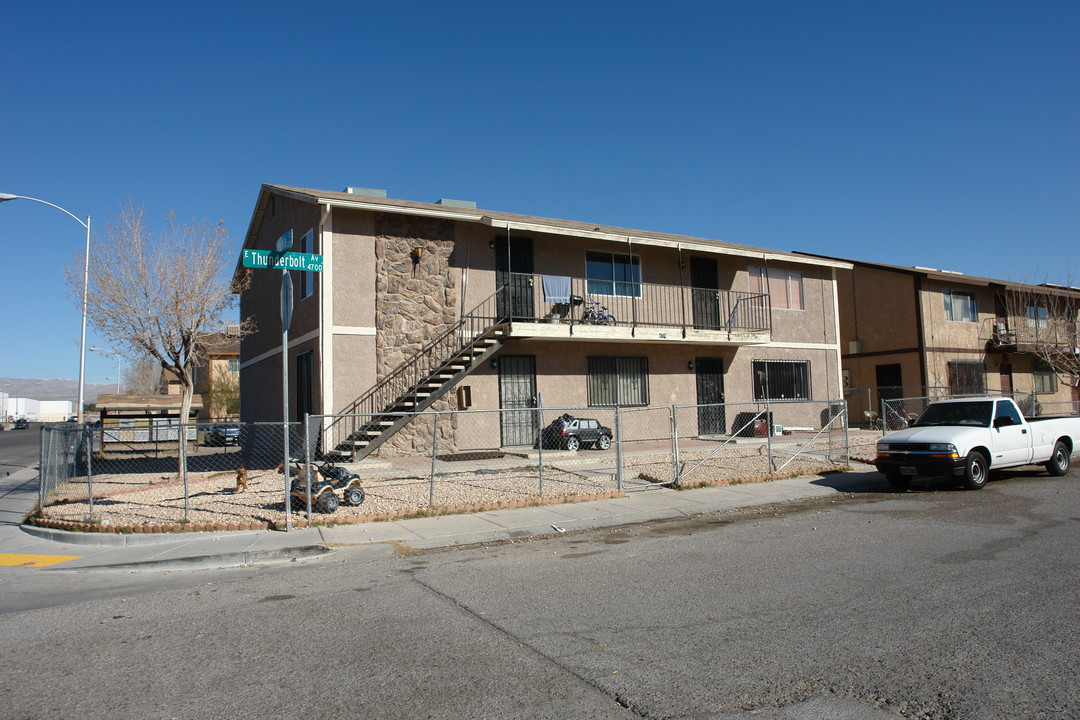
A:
(968, 438)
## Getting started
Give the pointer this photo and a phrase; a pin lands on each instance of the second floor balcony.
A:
(541, 306)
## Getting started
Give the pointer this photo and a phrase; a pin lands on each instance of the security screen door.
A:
(712, 419)
(517, 397)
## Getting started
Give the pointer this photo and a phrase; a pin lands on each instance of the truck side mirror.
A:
(1003, 421)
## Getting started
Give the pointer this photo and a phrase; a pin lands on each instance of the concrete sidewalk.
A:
(18, 493)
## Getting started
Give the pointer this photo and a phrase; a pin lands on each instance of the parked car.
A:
(571, 433)
(22, 424)
(223, 434)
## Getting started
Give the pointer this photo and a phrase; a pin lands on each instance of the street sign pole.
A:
(283, 244)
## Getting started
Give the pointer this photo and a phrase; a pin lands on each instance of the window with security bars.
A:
(781, 379)
(1044, 378)
(618, 381)
(967, 378)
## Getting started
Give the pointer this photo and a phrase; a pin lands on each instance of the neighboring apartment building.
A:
(909, 332)
(478, 309)
(217, 375)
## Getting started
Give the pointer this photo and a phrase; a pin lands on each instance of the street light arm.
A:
(5, 197)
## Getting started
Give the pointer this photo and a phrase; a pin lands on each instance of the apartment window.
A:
(307, 279)
(1038, 317)
(781, 379)
(612, 274)
(234, 365)
(618, 381)
(967, 378)
(1044, 377)
(784, 287)
(960, 306)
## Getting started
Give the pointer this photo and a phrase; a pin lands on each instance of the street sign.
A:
(266, 260)
(284, 243)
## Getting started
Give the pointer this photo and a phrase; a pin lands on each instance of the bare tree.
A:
(1042, 320)
(143, 376)
(222, 397)
(155, 294)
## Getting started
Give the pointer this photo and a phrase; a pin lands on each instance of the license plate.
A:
(907, 470)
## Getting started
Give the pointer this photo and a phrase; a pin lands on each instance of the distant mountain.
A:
(53, 389)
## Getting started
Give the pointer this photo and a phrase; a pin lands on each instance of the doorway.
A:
(514, 267)
(712, 416)
(889, 382)
(517, 398)
(705, 283)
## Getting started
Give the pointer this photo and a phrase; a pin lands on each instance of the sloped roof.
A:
(498, 219)
(148, 403)
(959, 278)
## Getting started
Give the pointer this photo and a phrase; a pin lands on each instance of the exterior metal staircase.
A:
(416, 383)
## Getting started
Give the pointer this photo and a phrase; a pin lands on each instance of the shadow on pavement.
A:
(855, 482)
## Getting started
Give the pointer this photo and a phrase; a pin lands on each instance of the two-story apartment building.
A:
(910, 331)
(445, 305)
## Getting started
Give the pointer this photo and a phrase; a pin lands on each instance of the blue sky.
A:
(943, 134)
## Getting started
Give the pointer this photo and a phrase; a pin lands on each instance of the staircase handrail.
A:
(410, 372)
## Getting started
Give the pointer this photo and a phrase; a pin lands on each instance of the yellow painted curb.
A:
(35, 561)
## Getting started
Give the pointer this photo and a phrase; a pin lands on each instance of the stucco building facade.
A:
(443, 305)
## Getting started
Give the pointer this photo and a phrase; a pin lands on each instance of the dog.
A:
(241, 479)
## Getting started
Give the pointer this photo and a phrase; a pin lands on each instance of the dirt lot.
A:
(129, 500)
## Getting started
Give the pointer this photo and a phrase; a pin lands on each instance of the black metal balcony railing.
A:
(634, 305)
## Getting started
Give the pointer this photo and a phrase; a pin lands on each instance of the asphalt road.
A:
(20, 448)
(934, 604)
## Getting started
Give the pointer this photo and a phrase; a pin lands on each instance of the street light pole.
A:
(103, 351)
(4, 197)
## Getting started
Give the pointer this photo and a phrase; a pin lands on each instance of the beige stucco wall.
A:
(343, 325)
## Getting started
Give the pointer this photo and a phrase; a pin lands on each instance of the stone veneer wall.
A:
(414, 303)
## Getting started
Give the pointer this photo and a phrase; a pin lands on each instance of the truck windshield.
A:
(973, 414)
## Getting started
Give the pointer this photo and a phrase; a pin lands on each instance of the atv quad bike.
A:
(330, 486)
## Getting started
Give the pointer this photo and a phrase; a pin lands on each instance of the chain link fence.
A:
(227, 474)
(904, 412)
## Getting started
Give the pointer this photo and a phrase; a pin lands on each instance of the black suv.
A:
(571, 433)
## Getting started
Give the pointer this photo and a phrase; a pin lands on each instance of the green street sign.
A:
(266, 260)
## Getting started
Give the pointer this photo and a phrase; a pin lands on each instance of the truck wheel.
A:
(1058, 464)
(898, 481)
(975, 472)
(572, 444)
(327, 502)
(603, 442)
(354, 495)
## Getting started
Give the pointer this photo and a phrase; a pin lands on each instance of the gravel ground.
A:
(134, 499)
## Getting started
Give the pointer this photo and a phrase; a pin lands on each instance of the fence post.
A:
(618, 449)
(309, 463)
(768, 437)
(434, 449)
(674, 426)
(43, 469)
(540, 439)
(182, 430)
(89, 469)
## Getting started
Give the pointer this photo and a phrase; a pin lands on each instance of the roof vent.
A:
(952, 272)
(928, 269)
(457, 203)
(369, 192)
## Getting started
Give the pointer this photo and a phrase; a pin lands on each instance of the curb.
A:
(69, 537)
(233, 559)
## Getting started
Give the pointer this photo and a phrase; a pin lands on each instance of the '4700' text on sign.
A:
(264, 259)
